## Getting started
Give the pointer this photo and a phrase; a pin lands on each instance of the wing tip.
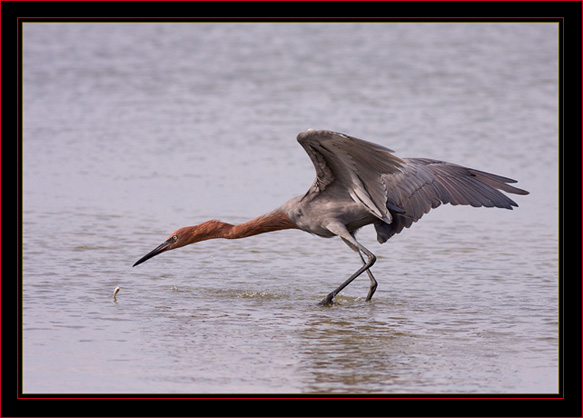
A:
(315, 133)
(310, 132)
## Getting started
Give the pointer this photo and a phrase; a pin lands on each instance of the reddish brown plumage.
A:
(273, 221)
(270, 222)
(212, 229)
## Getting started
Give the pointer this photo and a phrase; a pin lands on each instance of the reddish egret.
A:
(360, 183)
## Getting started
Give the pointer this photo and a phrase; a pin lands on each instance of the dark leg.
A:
(347, 237)
(373, 282)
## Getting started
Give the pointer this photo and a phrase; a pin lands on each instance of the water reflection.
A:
(355, 356)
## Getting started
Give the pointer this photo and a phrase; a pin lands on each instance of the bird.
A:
(359, 183)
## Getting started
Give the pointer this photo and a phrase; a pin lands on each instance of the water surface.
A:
(133, 130)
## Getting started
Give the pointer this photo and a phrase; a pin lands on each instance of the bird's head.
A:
(177, 239)
(188, 235)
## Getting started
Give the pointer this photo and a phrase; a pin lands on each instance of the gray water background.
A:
(131, 130)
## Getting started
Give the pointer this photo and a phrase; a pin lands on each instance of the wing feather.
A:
(423, 184)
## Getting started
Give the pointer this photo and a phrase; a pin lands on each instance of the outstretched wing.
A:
(352, 164)
(398, 191)
(423, 184)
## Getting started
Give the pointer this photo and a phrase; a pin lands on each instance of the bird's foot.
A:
(327, 301)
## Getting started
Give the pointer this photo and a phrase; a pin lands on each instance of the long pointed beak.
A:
(159, 249)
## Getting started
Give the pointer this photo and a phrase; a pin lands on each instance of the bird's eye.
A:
(175, 238)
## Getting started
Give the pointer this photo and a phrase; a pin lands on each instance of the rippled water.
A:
(133, 130)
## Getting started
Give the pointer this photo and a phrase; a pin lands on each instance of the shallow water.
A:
(133, 130)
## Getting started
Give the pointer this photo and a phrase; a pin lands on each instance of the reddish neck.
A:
(270, 222)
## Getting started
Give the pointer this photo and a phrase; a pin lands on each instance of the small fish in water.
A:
(115, 293)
